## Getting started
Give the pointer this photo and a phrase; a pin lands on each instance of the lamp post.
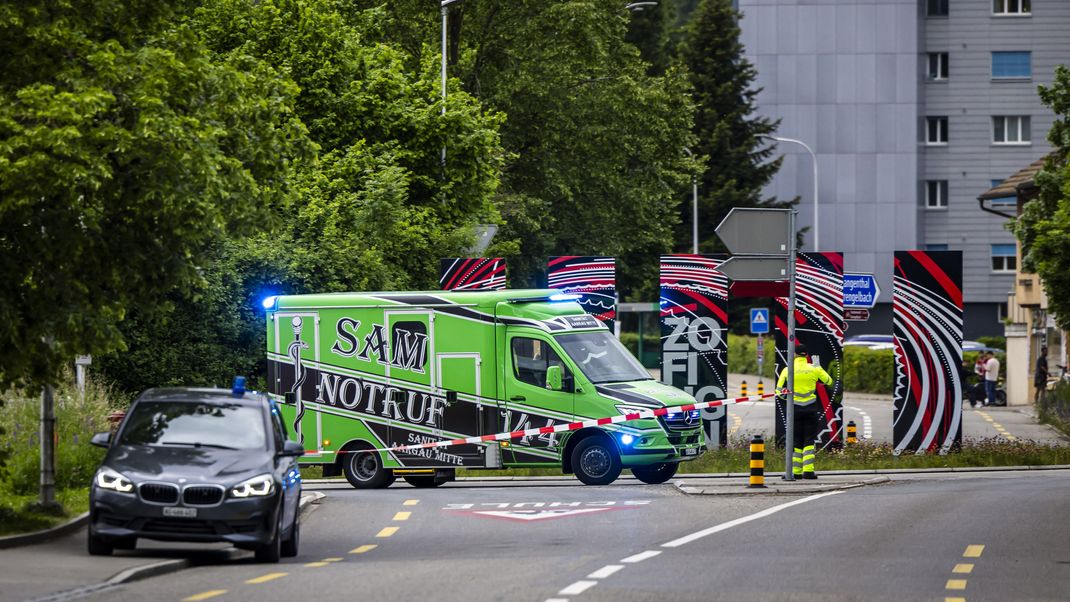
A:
(694, 207)
(813, 157)
(445, 6)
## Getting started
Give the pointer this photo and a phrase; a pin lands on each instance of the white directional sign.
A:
(755, 268)
(756, 231)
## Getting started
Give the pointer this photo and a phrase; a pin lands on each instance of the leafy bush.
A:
(1054, 407)
(997, 342)
(743, 355)
(77, 418)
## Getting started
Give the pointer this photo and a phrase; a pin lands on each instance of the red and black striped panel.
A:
(594, 279)
(927, 324)
(472, 274)
(694, 332)
(818, 326)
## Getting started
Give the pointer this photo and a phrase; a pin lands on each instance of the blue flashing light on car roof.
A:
(564, 297)
(270, 303)
(238, 388)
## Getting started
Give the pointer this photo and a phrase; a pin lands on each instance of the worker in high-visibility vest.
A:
(808, 412)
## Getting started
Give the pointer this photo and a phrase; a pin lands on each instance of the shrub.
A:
(1054, 407)
(77, 418)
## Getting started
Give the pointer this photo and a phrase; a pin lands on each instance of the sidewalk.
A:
(34, 572)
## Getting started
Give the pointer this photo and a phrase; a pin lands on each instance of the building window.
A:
(936, 194)
(1003, 201)
(936, 247)
(1003, 259)
(1011, 7)
(937, 8)
(1002, 311)
(936, 130)
(937, 66)
(1011, 129)
(1012, 65)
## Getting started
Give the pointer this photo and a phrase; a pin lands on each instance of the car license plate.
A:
(691, 451)
(180, 512)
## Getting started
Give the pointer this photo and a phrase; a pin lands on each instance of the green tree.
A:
(595, 143)
(125, 150)
(1044, 226)
(739, 162)
(653, 31)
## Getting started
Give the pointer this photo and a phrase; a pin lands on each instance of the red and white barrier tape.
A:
(571, 426)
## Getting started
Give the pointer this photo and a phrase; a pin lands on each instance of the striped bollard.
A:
(757, 463)
(761, 388)
(852, 433)
(743, 389)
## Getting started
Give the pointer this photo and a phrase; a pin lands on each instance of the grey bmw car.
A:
(198, 465)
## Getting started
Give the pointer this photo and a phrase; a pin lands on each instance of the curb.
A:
(780, 490)
(136, 573)
(26, 539)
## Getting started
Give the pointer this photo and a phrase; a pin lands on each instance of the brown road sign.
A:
(855, 315)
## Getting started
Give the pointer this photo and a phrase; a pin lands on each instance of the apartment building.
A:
(913, 108)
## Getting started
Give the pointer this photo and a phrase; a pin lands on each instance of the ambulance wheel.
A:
(655, 474)
(364, 470)
(423, 482)
(595, 461)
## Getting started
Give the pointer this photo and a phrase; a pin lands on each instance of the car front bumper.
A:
(246, 523)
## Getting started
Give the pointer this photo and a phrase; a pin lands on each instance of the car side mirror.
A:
(553, 378)
(292, 449)
(101, 440)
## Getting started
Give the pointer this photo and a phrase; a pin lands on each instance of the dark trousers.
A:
(807, 424)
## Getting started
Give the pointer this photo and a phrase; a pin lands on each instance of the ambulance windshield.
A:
(602, 358)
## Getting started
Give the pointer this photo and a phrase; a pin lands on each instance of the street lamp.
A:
(445, 6)
(694, 207)
(817, 238)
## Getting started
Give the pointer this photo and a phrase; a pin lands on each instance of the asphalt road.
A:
(1005, 533)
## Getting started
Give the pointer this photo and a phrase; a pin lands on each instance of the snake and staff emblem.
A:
(294, 351)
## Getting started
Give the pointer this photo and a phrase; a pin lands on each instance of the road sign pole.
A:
(789, 403)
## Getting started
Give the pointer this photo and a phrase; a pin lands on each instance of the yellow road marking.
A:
(957, 584)
(973, 551)
(333, 559)
(387, 531)
(402, 515)
(411, 502)
(205, 595)
(954, 599)
(363, 549)
(265, 578)
(964, 568)
(313, 565)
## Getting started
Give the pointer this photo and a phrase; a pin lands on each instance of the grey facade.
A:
(851, 79)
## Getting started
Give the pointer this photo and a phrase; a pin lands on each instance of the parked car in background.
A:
(198, 465)
(974, 346)
(871, 341)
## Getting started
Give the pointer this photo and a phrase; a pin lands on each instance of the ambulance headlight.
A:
(626, 439)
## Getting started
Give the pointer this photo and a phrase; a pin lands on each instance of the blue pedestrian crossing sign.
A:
(759, 320)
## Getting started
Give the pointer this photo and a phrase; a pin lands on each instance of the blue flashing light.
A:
(238, 388)
(270, 303)
(626, 439)
(564, 297)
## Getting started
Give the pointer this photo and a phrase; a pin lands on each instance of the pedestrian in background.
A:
(1040, 375)
(991, 376)
(808, 412)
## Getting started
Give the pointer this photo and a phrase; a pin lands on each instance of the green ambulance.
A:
(356, 372)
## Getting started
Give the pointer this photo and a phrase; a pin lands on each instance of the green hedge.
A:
(1054, 407)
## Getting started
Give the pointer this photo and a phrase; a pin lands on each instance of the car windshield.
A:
(601, 357)
(194, 424)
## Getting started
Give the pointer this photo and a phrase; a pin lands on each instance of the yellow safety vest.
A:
(806, 377)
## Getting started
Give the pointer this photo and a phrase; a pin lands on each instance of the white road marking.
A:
(641, 556)
(605, 571)
(739, 521)
(557, 600)
(867, 423)
(577, 588)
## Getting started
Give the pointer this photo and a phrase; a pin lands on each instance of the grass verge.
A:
(17, 513)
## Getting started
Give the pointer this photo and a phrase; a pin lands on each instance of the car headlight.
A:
(255, 487)
(109, 479)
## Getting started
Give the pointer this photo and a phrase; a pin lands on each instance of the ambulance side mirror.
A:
(553, 378)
